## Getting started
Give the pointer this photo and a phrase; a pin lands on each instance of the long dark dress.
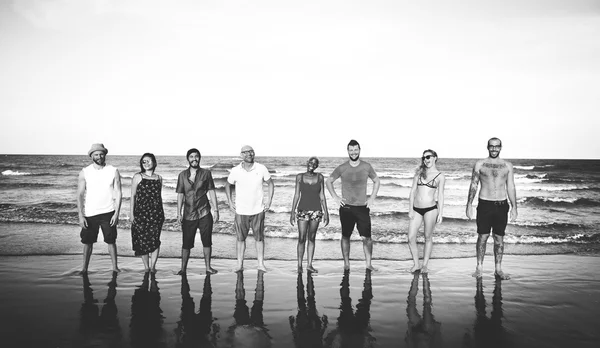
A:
(149, 217)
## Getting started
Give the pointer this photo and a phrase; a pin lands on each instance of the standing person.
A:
(309, 199)
(354, 205)
(249, 209)
(426, 205)
(98, 204)
(497, 182)
(195, 186)
(147, 212)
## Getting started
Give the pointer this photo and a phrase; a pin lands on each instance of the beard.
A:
(354, 159)
(99, 161)
(195, 164)
(494, 154)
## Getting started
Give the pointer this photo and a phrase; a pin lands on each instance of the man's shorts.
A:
(89, 235)
(492, 215)
(189, 227)
(243, 224)
(351, 215)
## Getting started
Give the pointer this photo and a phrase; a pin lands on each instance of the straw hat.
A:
(97, 147)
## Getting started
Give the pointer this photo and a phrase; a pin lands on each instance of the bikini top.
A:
(430, 183)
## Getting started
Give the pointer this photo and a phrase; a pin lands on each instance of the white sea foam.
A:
(524, 167)
(11, 173)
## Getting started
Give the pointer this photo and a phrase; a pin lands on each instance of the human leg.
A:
(481, 245)
(498, 253)
(154, 259)
(363, 225)
(112, 251)
(413, 228)
(312, 234)
(242, 227)
(258, 228)
(206, 228)
(485, 214)
(188, 228)
(368, 249)
(345, 244)
(185, 255)
(302, 232)
(429, 225)
(348, 222)
(87, 254)
(145, 261)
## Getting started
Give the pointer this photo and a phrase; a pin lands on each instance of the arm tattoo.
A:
(473, 187)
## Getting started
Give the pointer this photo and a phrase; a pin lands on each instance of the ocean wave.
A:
(389, 175)
(524, 167)
(9, 172)
(556, 201)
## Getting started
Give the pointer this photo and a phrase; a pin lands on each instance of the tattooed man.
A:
(497, 182)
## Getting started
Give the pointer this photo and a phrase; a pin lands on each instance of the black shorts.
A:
(351, 215)
(189, 227)
(492, 215)
(89, 235)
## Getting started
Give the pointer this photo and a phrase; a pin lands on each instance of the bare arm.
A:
(118, 196)
(271, 190)
(134, 184)
(212, 195)
(81, 199)
(376, 184)
(228, 195)
(411, 197)
(329, 184)
(295, 200)
(473, 189)
(440, 198)
(323, 202)
(512, 193)
(180, 198)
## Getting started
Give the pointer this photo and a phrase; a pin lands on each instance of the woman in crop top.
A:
(309, 207)
(426, 205)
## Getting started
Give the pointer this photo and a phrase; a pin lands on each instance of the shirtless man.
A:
(497, 182)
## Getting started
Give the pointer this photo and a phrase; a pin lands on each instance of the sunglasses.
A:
(426, 157)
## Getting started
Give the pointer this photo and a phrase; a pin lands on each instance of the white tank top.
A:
(99, 185)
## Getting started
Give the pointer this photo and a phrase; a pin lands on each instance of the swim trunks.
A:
(89, 235)
(355, 215)
(189, 227)
(492, 215)
(243, 224)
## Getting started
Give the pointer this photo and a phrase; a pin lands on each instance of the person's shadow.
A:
(99, 322)
(249, 329)
(307, 327)
(146, 322)
(196, 329)
(423, 331)
(488, 332)
(353, 328)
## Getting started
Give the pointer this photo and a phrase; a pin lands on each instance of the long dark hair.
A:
(147, 154)
(422, 169)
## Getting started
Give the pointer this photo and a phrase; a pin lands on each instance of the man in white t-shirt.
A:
(98, 203)
(249, 208)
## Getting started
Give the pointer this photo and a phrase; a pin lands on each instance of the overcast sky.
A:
(301, 77)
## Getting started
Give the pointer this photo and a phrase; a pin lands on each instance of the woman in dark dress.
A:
(147, 212)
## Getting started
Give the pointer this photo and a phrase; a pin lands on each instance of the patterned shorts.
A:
(309, 215)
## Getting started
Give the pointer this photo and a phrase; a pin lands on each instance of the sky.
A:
(301, 77)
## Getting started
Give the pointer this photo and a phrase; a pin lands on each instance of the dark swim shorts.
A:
(189, 227)
(89, 235)
(351, 215)
(492, 215)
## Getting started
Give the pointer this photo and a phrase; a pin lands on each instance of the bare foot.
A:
(262, 268)
(238, 269)
(312, 269)
(371, 268)
(478, 272)
(424, 269)
(211, 270)
(153, 270)
(181, 272)
(299, 269)
(116, 269)
(346, 267)
(414, 269)
(501, 275)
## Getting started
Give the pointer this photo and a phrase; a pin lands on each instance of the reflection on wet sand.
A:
(248, 329)
(99, 322)
(196, 329)
(488, 332)
(353, 329)
(146, 315)
(307, 327)
(423, 331)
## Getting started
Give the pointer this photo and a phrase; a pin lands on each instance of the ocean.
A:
(558, 201)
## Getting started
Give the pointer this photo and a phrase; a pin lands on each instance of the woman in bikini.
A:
(311, 205)
(426, 205)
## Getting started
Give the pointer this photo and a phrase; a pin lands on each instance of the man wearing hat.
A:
(98, 202)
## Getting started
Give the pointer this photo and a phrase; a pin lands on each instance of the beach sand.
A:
(551, 301)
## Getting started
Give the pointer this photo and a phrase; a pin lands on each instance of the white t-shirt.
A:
(249, 193)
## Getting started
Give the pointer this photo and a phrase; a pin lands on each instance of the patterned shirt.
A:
(196, 202)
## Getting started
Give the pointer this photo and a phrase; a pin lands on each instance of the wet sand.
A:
(551, 301)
